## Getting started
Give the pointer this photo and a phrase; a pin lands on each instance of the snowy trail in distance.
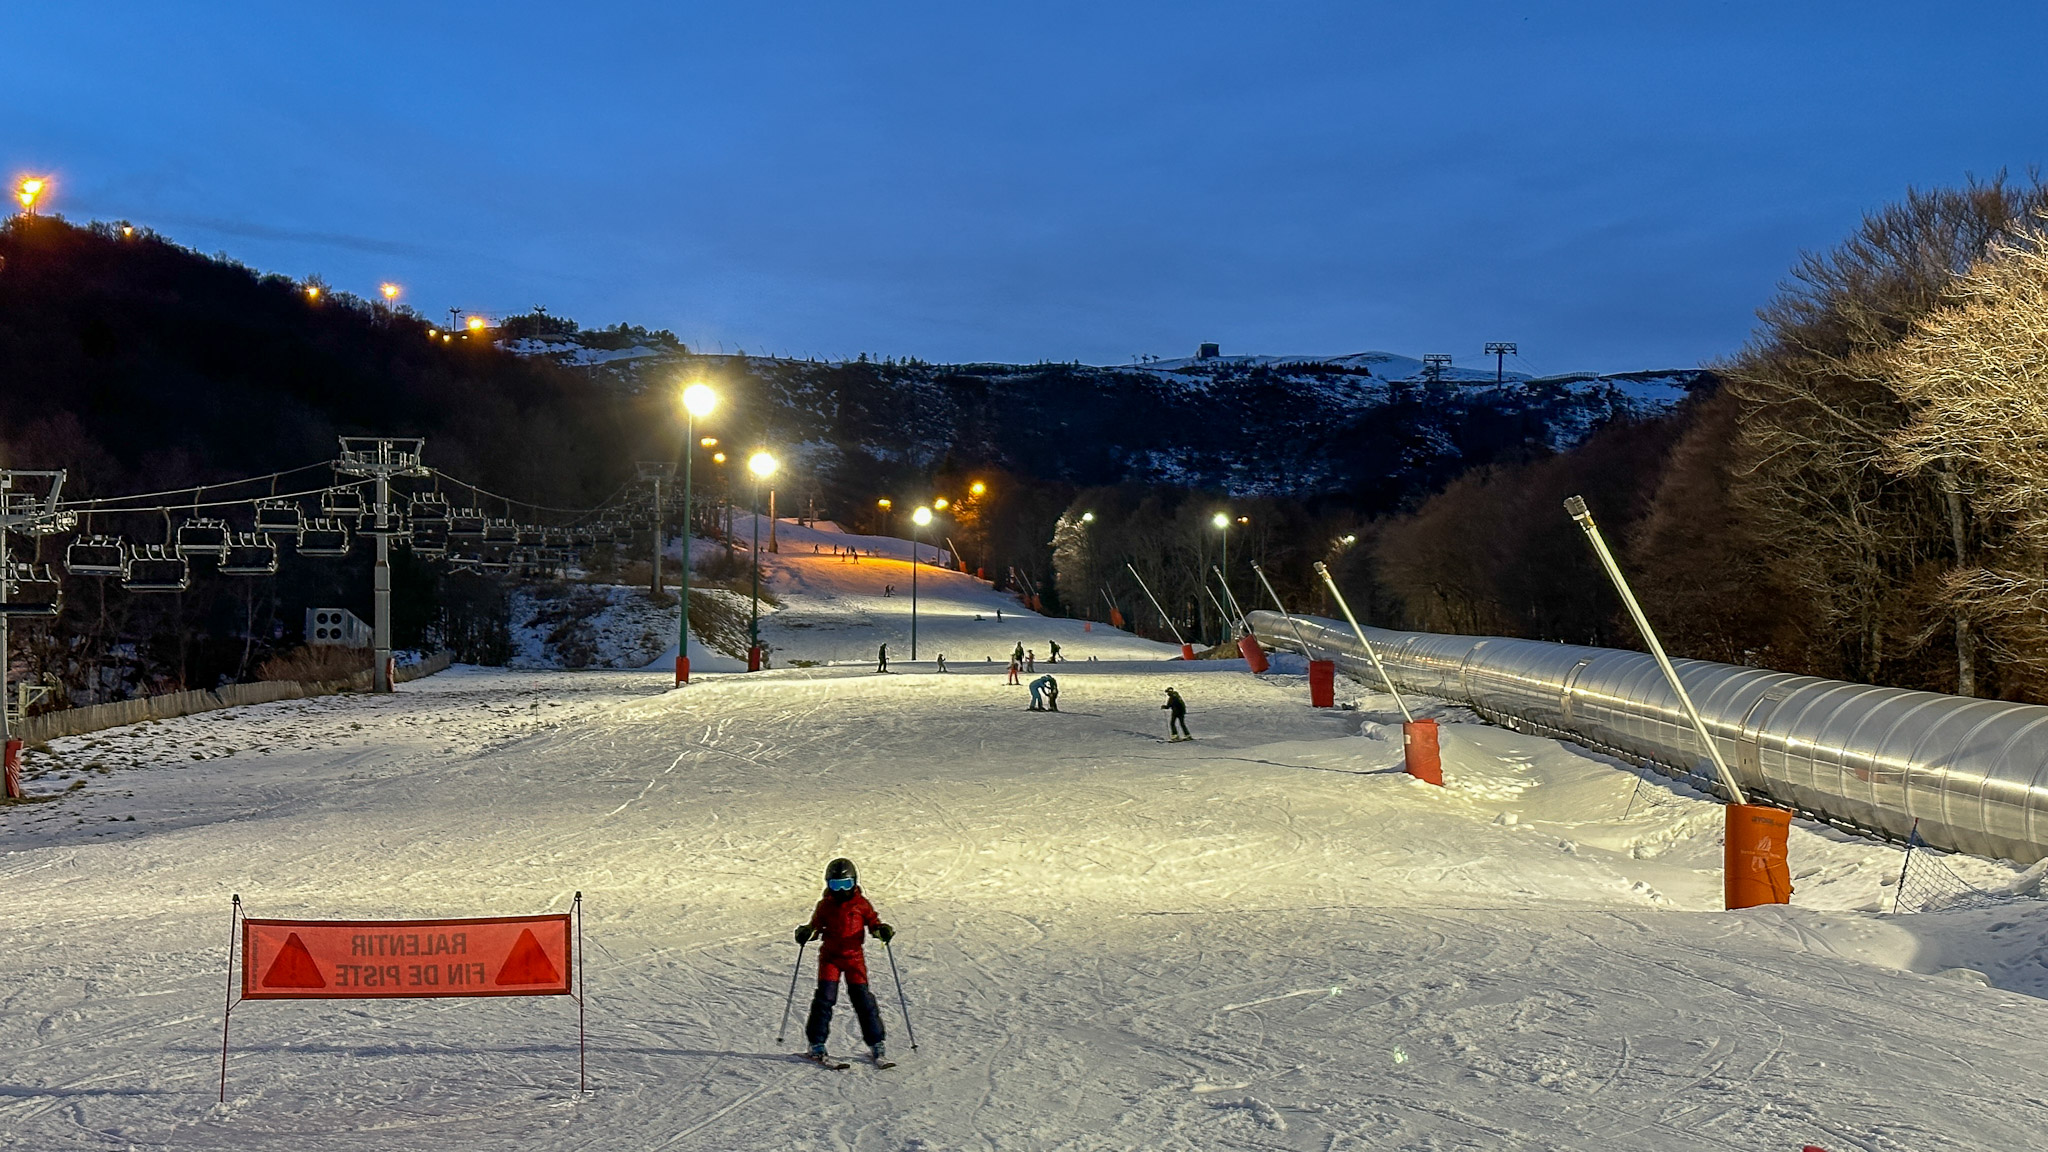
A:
(1269, 938)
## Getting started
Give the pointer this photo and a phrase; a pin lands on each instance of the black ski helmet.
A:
(841, 869)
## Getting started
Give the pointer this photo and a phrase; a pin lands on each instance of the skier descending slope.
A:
(1176, 717)
(842, 917)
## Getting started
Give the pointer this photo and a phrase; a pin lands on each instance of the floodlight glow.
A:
(389, 290)
(475, 323)
(312, 292)
(921, 517)
(761, 464)
(940, 504)
(30, 190)
(718, 457)
(883, 503)
(1221, 520)
(708, 442)
(977, 488)
(699, 400)
(1087, 517)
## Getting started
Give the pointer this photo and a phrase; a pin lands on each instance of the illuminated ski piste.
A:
(1265, 939)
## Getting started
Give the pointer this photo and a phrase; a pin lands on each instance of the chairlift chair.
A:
(604, 532)
(581, 537)
(203, 536)
(429, 508)
(429, 540)
(279, 517)
(96, 556)
(342, 503)
(499, 531)
(249, 554)
(323, 537)
(465, 525)
(32, 590)
(532, 536)
(156, 568)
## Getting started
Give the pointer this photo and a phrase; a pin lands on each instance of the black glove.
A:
(804, 933)
(884, 933)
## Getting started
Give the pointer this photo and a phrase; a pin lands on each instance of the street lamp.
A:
(1087, 517)
(977, 488)
(476, 324)
(1222, 522)
(698, 400)
(888, 517)
(762, 465)
(390, 292)
(918, 520)
(30, 190)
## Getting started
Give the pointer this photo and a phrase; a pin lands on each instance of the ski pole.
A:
(782, 1029)
(901, 1003)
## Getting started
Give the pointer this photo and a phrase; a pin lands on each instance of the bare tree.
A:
(1975, 375)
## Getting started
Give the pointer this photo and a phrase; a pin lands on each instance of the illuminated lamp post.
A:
(762, 465)
(698, 400)
(918, 520)
(29, 191)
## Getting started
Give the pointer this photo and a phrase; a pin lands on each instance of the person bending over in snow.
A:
(1177, 718)
(839, 922)
(1045, 694)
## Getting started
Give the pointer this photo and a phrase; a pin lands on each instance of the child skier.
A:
(842, 917)
(1177, 717)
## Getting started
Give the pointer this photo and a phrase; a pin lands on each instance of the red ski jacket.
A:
(843, 921)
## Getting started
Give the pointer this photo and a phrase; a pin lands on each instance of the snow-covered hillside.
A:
(1268, 938)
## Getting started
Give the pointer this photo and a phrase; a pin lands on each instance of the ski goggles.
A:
(839, 884)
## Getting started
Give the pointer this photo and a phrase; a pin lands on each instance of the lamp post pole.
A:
(762, 465)
(698, 400)
(918, 520)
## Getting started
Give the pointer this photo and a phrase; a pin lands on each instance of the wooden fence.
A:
(93, 717)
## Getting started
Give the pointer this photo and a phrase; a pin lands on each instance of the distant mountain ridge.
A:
(1370, 424)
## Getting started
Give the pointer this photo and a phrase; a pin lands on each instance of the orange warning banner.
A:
(385, 959)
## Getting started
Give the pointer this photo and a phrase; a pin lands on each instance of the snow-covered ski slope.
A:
(1268, 938)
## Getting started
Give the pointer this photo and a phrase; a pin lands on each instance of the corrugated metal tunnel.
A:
(1974, 773)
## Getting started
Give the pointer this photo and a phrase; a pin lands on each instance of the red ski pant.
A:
(854, 966)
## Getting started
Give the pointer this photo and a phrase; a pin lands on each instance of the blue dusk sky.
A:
(1613, 186)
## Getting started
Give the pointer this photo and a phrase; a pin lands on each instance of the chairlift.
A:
(96, 556)
(321, 536)
(465, 561)
(156, 568)
(604, 532)
(429, 508)
(32, 590)
(342, 503)
(466, 525)
(279, 517)
(249, 554)
(582, 537)
(497, 531)
(429, 540)
(531, 536)
(203, 536)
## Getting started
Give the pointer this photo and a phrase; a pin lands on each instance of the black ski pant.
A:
(1178, 725)
(819, 1025)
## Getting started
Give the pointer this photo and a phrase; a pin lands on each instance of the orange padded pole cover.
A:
(1753, 868)
(1254, 656)
(1419, 739)
(1322, 683)
(1187, 651)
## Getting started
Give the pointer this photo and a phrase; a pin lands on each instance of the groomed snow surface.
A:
(1268, 938)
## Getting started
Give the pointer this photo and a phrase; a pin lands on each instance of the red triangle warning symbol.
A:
(528, 964)
(294, 967)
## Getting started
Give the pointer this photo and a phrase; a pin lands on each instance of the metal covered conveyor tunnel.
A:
(1972, 773)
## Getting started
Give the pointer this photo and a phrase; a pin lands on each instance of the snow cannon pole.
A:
(1185, 652)
(1306, 653)
(782, 1029)
(1579, 512)
(902, 1003)
(1753, 867)
(1243, 621)
(1324, 572)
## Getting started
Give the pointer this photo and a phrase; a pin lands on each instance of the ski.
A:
(882, 1062)
(825, 1061)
